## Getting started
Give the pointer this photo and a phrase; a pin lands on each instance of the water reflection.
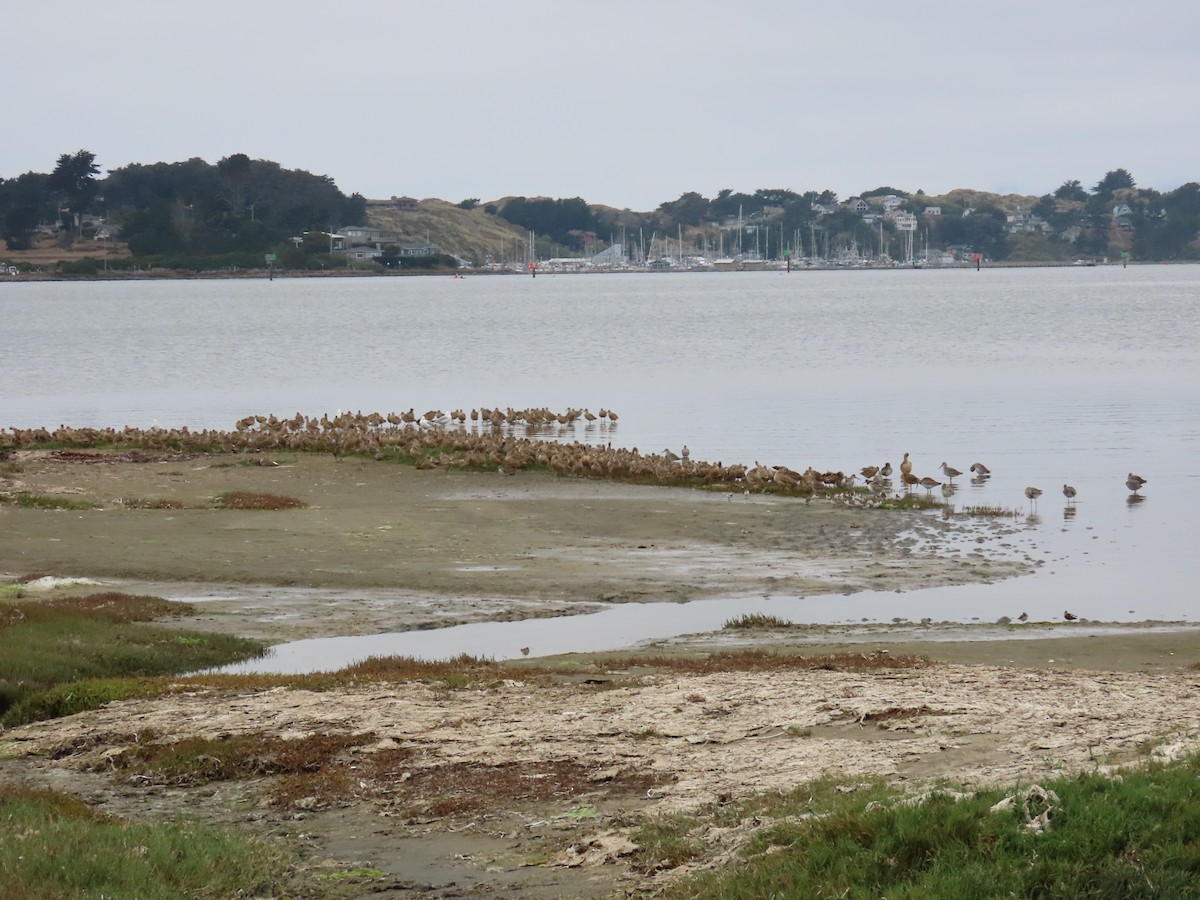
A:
(1068, 513)
(979, 481)
(1033, 519)
(1134, 500)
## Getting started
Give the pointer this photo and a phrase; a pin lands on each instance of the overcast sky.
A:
(619, 102)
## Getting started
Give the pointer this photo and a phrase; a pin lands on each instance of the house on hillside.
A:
(858, 205)
(366, 235)
(403, 204)
(1023, 221)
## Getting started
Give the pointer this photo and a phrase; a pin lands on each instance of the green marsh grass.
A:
(1133, 837)
(752, 621)
(63, 656)
(56, 846)
(26, 500)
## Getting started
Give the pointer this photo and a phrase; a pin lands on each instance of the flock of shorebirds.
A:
(877, 476)
(434, 439)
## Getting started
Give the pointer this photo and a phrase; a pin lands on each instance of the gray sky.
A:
(619, 102)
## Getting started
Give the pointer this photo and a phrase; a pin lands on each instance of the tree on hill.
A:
(690, 209)
(1113, 181)
(25, 201)
(239, 205)
(74, 178)
(1071, 190)
(564, 222)
(982, 231)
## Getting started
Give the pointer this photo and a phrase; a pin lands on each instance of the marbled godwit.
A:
(1134, 482)
(949, 471)
(980, 469)
(909, 479)
(1069, 492)
(906, 465)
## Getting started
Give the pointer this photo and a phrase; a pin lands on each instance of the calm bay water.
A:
(1048, 376)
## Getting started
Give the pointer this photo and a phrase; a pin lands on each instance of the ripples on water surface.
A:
(1047, 375)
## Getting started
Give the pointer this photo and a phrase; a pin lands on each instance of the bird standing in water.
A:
(906, 465)
(1134, 482)
(1033, 493)
(1069, 492)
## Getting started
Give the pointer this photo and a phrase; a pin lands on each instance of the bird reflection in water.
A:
(1135, 500)
(1069, 513)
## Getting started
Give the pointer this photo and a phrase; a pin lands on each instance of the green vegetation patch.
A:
(56, 846)
(25, 500)
(754, 621)
(1129, 837)
(996, 512)
(63, 656)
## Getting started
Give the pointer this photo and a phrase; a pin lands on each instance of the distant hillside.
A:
(471, 234)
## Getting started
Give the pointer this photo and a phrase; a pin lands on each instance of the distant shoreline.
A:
(264, 275)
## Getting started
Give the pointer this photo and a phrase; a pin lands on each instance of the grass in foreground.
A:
(1133, 837)
(26, 500)
(59, 657)
(57, 846)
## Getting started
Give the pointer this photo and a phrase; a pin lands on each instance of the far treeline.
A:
(236, 213)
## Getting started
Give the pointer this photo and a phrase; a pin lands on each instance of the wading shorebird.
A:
(1069, 492)
(1134, 482)
(949, 471)
(929, 483)
(980, 469)
(1033, 493)
(886, 471)
(906, 465)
